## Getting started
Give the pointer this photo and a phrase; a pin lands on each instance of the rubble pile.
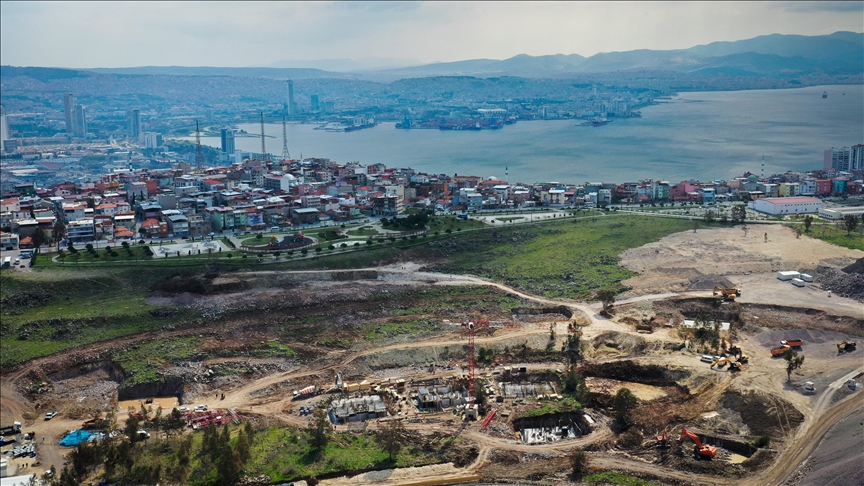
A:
(850, 285)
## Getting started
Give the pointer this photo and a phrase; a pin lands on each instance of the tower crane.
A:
(472, 326)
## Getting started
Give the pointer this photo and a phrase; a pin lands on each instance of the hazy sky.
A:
(106, 34)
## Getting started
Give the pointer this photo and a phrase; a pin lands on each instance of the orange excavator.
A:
(662, 439)
(703, 450)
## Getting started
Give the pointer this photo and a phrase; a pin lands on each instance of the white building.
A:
(838, 213)
(779, 206)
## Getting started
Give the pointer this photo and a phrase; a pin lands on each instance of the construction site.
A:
(507, 382)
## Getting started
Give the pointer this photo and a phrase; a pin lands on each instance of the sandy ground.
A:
(669, 264)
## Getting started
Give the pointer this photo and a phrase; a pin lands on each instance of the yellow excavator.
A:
(846, 347)
(720, 363)
(727, 294)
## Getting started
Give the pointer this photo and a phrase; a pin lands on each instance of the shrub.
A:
(762, 441)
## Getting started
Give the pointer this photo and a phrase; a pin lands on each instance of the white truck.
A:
(307, 392)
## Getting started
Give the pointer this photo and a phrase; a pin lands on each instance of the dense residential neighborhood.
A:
(125, 203)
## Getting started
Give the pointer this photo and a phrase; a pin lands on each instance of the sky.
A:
(238, 34)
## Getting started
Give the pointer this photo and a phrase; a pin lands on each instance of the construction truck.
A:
(307, 392)
(727, 294)
(846, 347)
(780, 350)
(795, 343)
(702, 450)
(15, 428)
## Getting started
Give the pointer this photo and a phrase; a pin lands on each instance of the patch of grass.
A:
(568, 404)
(363, 232)
(558, 259)
(272, 349)
(618, 478)
(385, 330)
(831, 233)
(453, 223)
(144, 363)
(285, 455)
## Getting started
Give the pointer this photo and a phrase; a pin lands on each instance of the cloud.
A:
(806, 7)
(109, 34)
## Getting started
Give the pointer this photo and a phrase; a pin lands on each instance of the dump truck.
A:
(727, 294)
(846, 347)
(795, 343)
(780, 351)
(703, 450)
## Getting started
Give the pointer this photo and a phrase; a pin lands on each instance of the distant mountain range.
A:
(771, 56)
(776, 54)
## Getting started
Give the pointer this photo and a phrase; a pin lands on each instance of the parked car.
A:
(50, 415)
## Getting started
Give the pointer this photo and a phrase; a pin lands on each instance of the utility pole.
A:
(199, 155)
(285, 154)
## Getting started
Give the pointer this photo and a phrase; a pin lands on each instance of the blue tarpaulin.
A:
(75, 438)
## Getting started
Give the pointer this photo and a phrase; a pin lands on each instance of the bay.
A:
(701, 135)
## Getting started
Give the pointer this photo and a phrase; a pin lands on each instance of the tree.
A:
(808, 220)
(793, 362)
(391, 437)
(739, 213)
(575, 385)
(850, 222)
(318, 429)
(709, 217)
(623, 402)
(39, 237)
(572, 347)
(607, 297)
(578, 461)
(58, 232)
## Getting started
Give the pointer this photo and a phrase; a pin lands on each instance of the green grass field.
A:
(618, 478)
(55, 308)
(559, 259)
(834, 234)
(283, 455)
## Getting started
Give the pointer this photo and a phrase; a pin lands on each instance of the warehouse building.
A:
(780, 206)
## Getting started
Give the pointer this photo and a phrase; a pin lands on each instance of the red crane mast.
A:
(472, 326)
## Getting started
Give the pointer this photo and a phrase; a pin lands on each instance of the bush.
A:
(578, 461)
(357, 243)
(762, 442)
(331, 247)
(368, 242)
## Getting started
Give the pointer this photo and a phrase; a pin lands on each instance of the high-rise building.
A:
(4, 128)
(79, 121)
(292, 109)
(68, 108)
(314, 99)
(228, 141)
(838, 158)
(134, 121)
(855, 163)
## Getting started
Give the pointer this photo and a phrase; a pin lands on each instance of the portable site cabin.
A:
(798, 282)
(787, 275)
(806, 278)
